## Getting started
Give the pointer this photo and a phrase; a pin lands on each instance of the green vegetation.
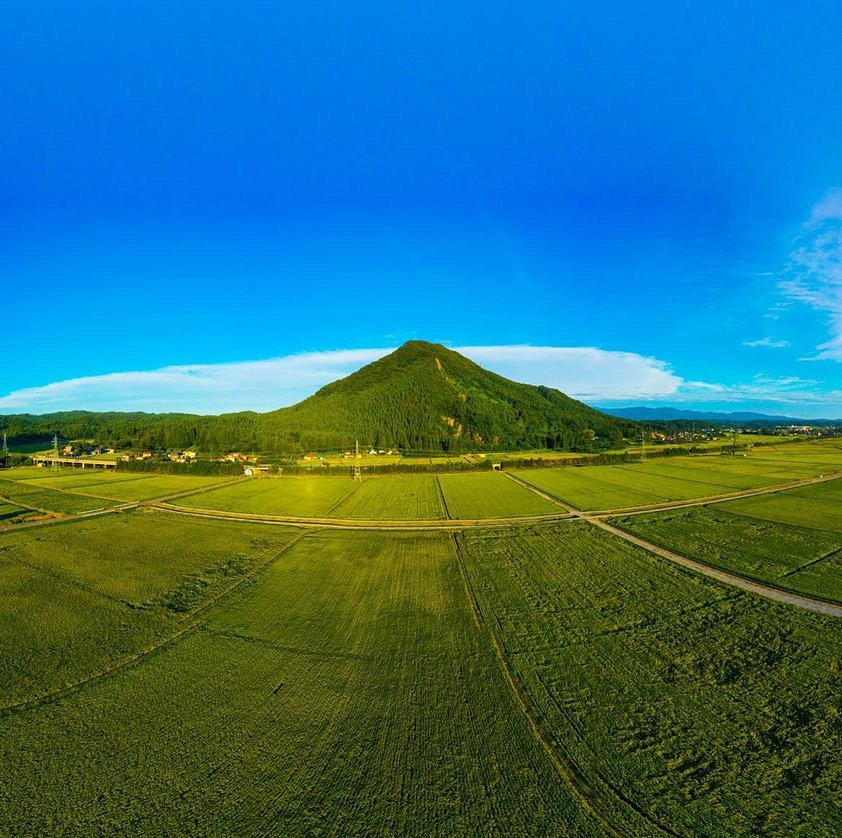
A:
(681, 478)
(48, 500)
(291, 496)
(682, 702)
(77, 598)
(793, 557)
(345, 691)
(491, 495)
(226, 677)
(405, 497)
(818, 507)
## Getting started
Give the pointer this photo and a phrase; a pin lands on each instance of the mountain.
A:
(425, 396)
(421, 396)
(662, 414)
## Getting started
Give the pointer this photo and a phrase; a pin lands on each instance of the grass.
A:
(402, 497)
(52, 501)
(345, 691)
(817, 507)
(682, 478)
(291, 496)
(8, 510)
(713, 711)
(794, 557)
(491, 495)
(78, 597)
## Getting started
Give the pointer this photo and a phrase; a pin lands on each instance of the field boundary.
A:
(711, 499)
(443, 499)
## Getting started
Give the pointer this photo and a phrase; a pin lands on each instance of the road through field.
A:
(765, 590)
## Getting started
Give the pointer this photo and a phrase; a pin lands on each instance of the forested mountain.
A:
(422, 396)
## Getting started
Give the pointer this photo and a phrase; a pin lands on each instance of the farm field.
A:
(304, 496)
(398, 497)
(46, 499)
(816, 507)
(672, 693)
(794, 557)
(79, 597)
(314, 699)
(8, 510)
(491, 495)
(681, 478)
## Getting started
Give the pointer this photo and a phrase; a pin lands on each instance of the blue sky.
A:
(214, 206)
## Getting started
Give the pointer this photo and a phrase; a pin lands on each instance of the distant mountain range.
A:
(666, 414)
(422, 396)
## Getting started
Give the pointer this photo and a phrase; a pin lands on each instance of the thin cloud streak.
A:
(813, 275)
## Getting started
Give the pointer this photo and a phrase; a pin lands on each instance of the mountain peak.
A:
(426, 396)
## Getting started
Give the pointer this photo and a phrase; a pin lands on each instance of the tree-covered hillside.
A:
(422, 396)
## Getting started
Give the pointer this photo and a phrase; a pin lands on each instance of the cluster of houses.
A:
(79, 450)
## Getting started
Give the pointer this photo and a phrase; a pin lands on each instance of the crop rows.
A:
(387, 498)
(706, 710)
(307, 497)
(79, 597)
(346, 691)
(491, 495)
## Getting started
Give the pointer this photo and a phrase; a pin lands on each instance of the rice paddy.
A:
(183, 674)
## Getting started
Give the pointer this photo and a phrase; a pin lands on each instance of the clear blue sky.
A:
(197, 184)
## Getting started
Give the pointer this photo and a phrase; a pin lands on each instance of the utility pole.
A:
(642, 446)
(357, 472)
(5, 446)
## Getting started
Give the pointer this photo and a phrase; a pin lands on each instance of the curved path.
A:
(764, 589)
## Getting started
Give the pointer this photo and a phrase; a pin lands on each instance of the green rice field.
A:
(304, 496)
(406, 496)
(491, 495)
(795, 557)
(547, 680)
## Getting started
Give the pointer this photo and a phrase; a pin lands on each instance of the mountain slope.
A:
(426, 396)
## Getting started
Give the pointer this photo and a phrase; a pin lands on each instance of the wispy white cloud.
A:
(586, 373)
(768, 342)
(814, 273)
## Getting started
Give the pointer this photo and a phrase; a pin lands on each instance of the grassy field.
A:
(8, 511)
(795, 557)
(817, 507)
(76, 598)
(224, 677)
(345, 691)
(683, 478)
(491, 495)
(710, 711)
(304, 496)
(401, 497)
(46, 499)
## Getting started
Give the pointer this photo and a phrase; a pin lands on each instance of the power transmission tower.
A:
(357, 472)
(5, 446)
(643, 446)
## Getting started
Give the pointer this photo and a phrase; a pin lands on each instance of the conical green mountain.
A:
(426, 396)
